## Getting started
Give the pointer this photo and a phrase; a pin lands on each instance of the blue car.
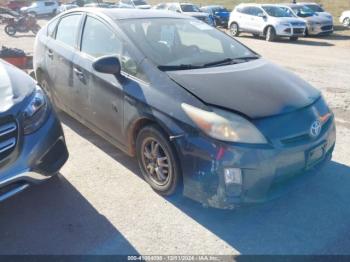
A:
(202, 113)
(219, 13)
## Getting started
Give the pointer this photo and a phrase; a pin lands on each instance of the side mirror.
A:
(107, 65)
(262, 15)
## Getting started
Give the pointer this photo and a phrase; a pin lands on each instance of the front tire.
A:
(10, 30)
(270, 34)
(234, 29)
(157, 160)
(346, 22)
(294, 38)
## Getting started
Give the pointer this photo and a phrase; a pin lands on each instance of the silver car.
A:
(316, 24)
(269, 21)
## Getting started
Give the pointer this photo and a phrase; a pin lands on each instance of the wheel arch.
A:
(266, 27)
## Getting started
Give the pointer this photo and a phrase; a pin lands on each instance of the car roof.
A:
(212, 6)
(290, 5)
(308, 3)
(258, 5)
(129, 13)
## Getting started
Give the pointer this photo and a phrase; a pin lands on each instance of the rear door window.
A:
(99, 40)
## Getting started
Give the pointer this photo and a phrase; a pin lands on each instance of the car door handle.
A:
(79, 74)
(50, 53)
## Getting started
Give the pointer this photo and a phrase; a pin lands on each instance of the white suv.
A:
(38, 8)
(345, 18)
(267, 20)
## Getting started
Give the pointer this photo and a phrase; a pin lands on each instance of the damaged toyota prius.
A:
(32, 145)
(199, 110)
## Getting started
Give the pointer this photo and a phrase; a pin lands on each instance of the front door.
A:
(102, 95)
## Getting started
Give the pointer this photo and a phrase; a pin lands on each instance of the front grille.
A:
(304, 138)
(326, 28)
(298, 30)
(297, 24)
(8, 138)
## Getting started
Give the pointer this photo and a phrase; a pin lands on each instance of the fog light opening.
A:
(233, 176)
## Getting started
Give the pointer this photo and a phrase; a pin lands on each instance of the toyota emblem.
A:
(315, 129)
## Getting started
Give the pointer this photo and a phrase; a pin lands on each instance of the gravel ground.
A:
(100, 204)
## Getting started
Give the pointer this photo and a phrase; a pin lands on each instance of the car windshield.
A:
(303, 11)
(276, 11)
(189, 8)
(315, 8)
(140, 2)
(184, 43)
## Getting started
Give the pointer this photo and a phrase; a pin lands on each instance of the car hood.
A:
(317, 18)
(223, 14)
(256, 89)
(287, 19)
(196, 14)
(143, 6)
(15, 86)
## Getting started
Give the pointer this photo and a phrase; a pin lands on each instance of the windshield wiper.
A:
(226, 61)
(231, 61)
(178, 67)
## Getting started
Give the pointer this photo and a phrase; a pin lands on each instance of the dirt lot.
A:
(100, 205)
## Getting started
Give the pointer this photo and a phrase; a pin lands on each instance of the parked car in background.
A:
(32, 144)
(318, 9)
(269, 21)
(16, 5)
(187, 9)
(199, 110)
(99, 5)
(40, 8)
(345, 18)
(138, 4)
(316, 24)
(220, 14)
(66, 7)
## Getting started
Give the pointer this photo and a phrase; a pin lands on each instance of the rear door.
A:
(61, 52)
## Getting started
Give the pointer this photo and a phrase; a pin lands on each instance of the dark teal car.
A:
(219, 13)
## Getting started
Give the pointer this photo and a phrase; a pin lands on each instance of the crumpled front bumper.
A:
(204, 160)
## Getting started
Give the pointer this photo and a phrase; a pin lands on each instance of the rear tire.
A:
(158, 160)
(234, 29)
(270, 34)
(10, 30)
(346, 22)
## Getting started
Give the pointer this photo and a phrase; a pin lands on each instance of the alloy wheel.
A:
(346, 22)
(234, 29)
(156, 161)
